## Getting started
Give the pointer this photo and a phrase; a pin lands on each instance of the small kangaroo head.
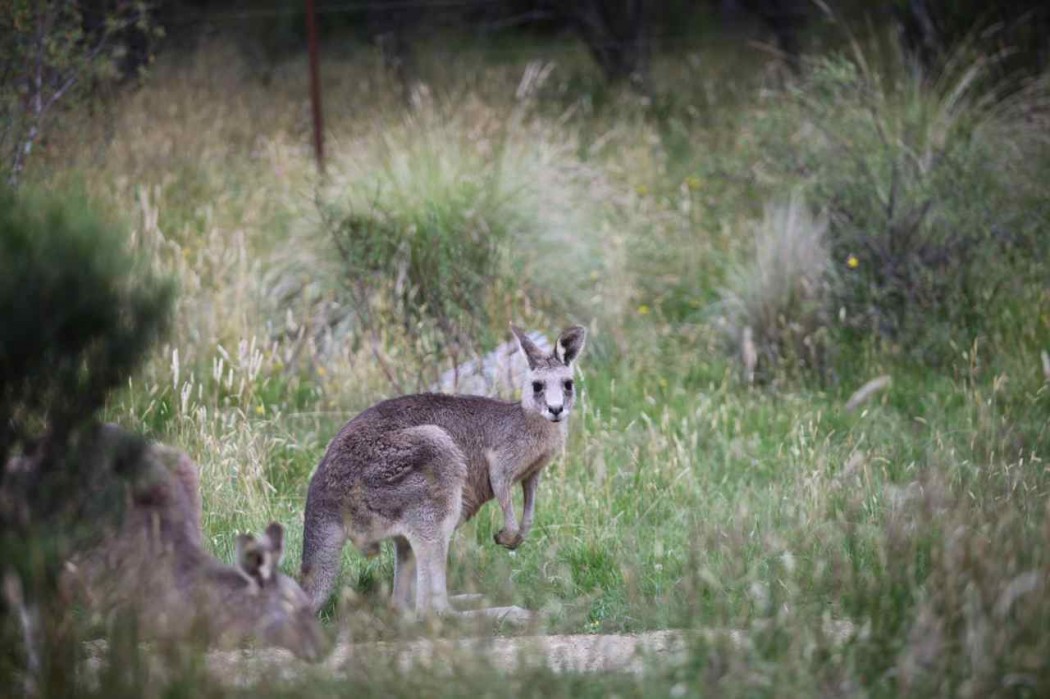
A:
(283, 614)
(548, 388)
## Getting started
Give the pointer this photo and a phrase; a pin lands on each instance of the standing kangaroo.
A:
(414, 468)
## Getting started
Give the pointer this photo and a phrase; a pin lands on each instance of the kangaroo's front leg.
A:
(508, 537)
(528, 487)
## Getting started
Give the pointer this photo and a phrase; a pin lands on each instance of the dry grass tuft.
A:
(774, 305)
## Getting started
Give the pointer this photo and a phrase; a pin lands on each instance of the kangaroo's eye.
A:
(568, 384)
(537, 387)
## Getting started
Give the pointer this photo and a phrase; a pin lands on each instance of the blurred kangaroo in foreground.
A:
(155, 566)
(414, 468)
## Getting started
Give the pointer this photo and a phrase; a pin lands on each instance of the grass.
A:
(686, 498)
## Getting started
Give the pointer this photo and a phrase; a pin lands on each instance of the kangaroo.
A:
(155, 566)
(414, 468)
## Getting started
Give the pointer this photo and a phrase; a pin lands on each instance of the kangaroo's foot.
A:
(509, 539)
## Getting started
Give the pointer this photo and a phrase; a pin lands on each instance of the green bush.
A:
(928, 209)
(77, 314)
(432, 265)
(50, 52)
(445, 227)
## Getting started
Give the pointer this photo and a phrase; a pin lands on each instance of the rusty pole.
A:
(315, 85)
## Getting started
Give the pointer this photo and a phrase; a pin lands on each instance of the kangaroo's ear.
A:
(570, 344)
(249, 556)
(275, 533)
(533, 354)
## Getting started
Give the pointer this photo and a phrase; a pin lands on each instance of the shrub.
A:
(77, 314)
(431, 259)
(924, 200)
(446, 227)
(49, 51)
(774, 305)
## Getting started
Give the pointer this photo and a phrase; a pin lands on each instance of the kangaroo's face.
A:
(283, 613)
(549, 388)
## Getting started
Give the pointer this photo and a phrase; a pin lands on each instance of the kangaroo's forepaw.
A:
(508, 539)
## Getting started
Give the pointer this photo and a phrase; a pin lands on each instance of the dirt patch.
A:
(561, 653)
(630, 653)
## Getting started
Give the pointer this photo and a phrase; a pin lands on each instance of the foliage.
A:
(932, 30)
(921, 189)
(445, 228)
(79, 313)
(50, 51)
(434, 258)
(804, 550)
(775, 304)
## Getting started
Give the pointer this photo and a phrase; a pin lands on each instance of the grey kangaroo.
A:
(414, 468)
(154, 564)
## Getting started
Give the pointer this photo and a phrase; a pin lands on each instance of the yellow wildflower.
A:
(643, 310)
(852, 262)
(692, 182)
(260, 409)
(642, 190)
(321, 371)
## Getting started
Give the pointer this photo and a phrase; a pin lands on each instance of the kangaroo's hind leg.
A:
(404, 574)
(418, 492)
(431, 585)
(430, 543)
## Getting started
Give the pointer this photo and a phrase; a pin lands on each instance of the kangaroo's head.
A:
(283, 615)
(548, 388)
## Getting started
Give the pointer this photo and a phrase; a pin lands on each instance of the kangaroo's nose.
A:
(555, 409)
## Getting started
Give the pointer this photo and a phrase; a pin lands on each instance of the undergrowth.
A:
(687, 498)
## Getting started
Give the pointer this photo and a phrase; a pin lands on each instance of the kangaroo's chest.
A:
(520, 464)
(537, 464)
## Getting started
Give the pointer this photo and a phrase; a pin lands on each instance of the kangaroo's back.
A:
(473, 423)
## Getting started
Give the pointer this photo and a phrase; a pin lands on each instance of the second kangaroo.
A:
(414, 468)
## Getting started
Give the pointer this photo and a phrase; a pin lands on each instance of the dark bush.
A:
(77, 314)
(928, 206)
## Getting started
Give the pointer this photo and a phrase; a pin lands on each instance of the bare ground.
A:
(561, 653)
(577, 653)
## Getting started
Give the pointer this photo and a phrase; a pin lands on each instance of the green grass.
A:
(686, 498)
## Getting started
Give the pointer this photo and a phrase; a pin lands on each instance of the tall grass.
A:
(922, 183)
(683, 500)
(775, 309)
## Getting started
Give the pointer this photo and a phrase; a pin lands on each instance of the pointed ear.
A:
(249, 557)
(533, 354)
(275, 533)
(570, 344)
